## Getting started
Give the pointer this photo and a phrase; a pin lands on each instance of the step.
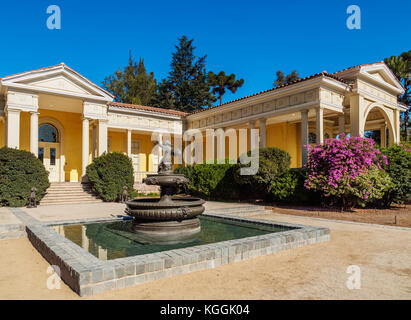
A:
(60, 193)
(69, 188)
(71, 196)
(62, 201)
(69, 192)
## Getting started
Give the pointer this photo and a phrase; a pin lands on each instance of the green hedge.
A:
(109, 173)
(20, 171)
(211, 181)
(272, 163)
(399, 170)
(289, 188)
(215, 181)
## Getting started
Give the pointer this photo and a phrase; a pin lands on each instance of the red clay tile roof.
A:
(324, 73)
(147, 108)
(40, 69)
(358, 66)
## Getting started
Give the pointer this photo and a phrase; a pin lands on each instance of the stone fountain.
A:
(166, 217)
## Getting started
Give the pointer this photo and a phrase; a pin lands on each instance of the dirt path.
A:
(312, 272)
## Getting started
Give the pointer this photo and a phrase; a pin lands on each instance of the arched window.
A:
(48, 133)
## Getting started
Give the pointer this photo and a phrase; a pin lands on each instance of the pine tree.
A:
(401, 67)
(186, 88)
(133, 85)
(220, 82)
(293, 76)
(282, 79)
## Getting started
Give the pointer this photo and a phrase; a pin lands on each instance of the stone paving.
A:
(87, 275)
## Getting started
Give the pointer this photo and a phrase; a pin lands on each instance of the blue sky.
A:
(252, 39)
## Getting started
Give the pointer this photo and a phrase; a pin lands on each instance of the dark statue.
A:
(124, 195)
(32, 199)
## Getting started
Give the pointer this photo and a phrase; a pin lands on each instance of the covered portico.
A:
(310, 110)
(62, 103)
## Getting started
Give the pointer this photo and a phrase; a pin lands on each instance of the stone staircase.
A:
(69, 192)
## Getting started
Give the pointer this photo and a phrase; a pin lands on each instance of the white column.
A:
(319, 125)
(383, 135)
(129, 143)
(262, 133)
(251, 126)
(94, 140)
(304, 136)
(102, 137)
(356, 115)
(34, 133)
(341, 124)
(395, 137)
(13, 128)
(85, 146)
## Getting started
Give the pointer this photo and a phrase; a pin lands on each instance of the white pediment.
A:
(59, 79)
(60, 82)
(381, 73)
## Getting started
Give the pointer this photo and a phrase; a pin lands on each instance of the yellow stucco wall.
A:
(283, 135)
(118, 144)
(286, 137)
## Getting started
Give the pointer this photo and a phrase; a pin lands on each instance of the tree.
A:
(282, 79)
(220, 82)
(401, 67)
(186, 88)
(133, 85)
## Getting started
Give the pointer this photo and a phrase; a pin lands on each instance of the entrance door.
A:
(49, 154)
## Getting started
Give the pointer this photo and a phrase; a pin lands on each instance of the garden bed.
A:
(397, 215)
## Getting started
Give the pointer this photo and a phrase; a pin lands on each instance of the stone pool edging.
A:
(12, 231)
(87, 275)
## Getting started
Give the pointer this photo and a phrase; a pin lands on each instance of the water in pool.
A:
(114, 240)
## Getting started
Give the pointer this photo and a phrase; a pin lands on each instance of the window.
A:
(48, 133)
(52, 156)
(135, 147)
(41, 154)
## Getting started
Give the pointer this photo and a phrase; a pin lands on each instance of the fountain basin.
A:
(166, 179)
(165, 209)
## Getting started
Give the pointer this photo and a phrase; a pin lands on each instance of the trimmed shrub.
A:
(347, 171)
(214, 181)
(109, 173)
(399, 169)
(272, 163)
(289, 188)
(20, 171)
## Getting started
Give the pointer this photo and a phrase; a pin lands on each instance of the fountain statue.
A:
(168, 216)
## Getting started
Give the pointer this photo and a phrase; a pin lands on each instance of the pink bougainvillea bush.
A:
(347, 171)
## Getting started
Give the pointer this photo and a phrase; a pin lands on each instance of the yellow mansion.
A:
(67, 121)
